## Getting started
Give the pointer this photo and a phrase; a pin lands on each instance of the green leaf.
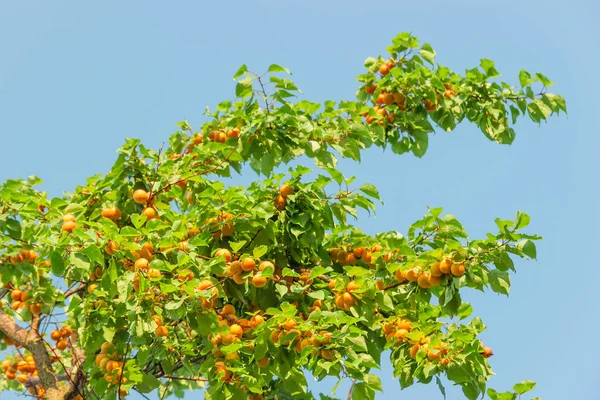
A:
(525, 78)
(279, 68)
(438, 381)
(241, 71)
(528, 247)
(521, 220)
(499, 281)
(148, 384)
(370, 190)
(524, 386)
(427, 53)
(260, 251)
(57, 263)
(138, 220)
(494, 395)
(373, 381)
(243, 88)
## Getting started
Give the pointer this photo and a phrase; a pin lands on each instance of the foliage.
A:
(159, 277)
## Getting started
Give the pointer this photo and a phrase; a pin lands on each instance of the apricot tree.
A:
(157, 277)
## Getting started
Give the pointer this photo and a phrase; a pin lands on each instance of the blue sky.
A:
(76, 78)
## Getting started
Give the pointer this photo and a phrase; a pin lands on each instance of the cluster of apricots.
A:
(427, 279)
(348, 256)
(346, 299)
(22, 299)
(61, 336)
(236, 329)
(202, 286)
(242, 270)
(144, 198)
(281, 199)
(397, 329)
(112, 364)
(22, 256)
(303, 339)
(221, 136)
(386, 98)
(21, 368)
(222, 226)
(69, 223)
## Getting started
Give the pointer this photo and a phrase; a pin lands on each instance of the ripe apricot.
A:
(433, 280)
(234, 268)
(348, 299)
(435, 269)
(403, 324)
(388, 99)
(62, 344)
(445, 265)
(367, 256)
(412, 275)
(399, 99)
(233, 133)
(266, 264)
(422, 281)
(259, 281)
(384, 69)
(380, 99)
(352, 285)
(280, 202)
(35, 308)
(414, 350)
(239, 278)
(285, 190)
(55, 335)
(400, 276)
(236, 330)
(16, 295)
(111, 247)
(140, 196)
(69, 226)
(204, 284)
(228, 309)
(401, 333)
(256, 321)
(141, 264)
(161, 331)
(248, 264)
(327, 354)
(370, 89)
(350, 259)
(150, 213)
(458, 269)
(487, 352)
(223, 252)
(112, 213)
(276, 335)
(434, 354)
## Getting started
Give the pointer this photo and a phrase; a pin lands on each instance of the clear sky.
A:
(77, 77)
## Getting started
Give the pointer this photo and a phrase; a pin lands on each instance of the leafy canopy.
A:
(158, 277)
